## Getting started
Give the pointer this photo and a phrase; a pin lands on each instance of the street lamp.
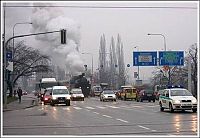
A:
(165, 48)
(13, 40)
(92, 65)
(14, 33)
(138, 65)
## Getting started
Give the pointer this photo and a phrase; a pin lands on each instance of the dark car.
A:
(146, 94)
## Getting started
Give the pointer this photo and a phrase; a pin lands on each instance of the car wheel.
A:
(154, 100)
(141, 100)
(194, 110)
(68, 103)
(149, 100)
(103, 100)
(52, 104)
(171, 108)
(83, 99)
(161, 108)
(115, 100)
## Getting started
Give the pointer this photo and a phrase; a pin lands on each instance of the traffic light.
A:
(63, 36)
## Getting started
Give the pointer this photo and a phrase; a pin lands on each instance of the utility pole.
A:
(189, 75)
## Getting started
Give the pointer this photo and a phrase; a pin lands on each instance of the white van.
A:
(60, 94)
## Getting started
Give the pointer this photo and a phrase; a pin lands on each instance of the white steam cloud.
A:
(67, 55)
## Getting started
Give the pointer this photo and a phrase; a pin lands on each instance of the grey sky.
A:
(180, 27)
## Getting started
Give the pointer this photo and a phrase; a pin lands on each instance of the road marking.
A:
(101, 107)
(112, 106)
(96, 113)
(107, 116)
(87, 110)
(28, 109)
(153, 130)
(143, 127)
(88, 107)
(77, 108)
(122, 120)
(67, 108)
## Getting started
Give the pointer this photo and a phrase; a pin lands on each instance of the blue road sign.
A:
(9, 55)
(145, 58)
(171, 58)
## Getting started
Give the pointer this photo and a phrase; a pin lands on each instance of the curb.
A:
(33, 103)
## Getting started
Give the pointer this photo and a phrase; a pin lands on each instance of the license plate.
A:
(186, 104)
(148, 94)
(61, 100)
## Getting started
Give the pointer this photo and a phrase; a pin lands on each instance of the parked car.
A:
(60, 95)
(47, 97)
(76, 94)
(146, 94)
(107, 95)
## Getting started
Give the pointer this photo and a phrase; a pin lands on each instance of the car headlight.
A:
(68, 97)
(194, 101)
(54, 98)
(177, 101)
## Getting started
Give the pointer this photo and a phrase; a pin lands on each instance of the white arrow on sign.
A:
(154, 60)
(135, 60)
(181, 59)
(160, 60)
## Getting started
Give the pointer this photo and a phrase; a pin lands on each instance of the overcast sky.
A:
(179, 26)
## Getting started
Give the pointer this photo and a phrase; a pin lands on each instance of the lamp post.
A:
(12, 85)
(14, 33)
(138, 75)
(92, 65)
(165, 48)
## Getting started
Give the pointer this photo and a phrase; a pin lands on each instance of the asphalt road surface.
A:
(93, 117)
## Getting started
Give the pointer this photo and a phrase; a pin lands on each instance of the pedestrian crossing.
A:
(102, 107)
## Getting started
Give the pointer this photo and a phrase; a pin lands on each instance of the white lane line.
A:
(87, 110)
(107, 116)
(88, 107)
(122, 120)
(67, 108)
(28, 109)
(96, 113)
(112, 106)
(143, 127)
(153, 130)
(101, 107)
(77, 108)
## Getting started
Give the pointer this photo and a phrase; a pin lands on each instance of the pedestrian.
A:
(19, 92)
(15, 92)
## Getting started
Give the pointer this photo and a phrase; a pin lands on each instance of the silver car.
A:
(107, 95)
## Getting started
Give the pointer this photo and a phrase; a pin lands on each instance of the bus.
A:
(44, 84)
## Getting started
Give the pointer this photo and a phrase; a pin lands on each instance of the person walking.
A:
(19, 92)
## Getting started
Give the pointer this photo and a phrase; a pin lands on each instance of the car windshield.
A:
(108, 92)
(60, 91)
(47, 93)
(148, 91)
(77, 92)
(180, 93)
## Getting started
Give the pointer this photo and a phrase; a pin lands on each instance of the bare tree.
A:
(26, 61)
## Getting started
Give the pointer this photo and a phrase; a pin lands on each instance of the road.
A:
(92, 117)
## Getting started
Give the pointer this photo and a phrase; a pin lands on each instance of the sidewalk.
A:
(28, 101)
